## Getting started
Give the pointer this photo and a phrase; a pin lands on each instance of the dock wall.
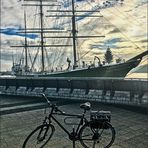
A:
(92, 88)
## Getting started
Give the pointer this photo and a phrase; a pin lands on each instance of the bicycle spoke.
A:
(92, 134)
(94, 144)
(95, 137)
(39, 137)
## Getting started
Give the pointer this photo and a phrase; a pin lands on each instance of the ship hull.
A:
(116, 70)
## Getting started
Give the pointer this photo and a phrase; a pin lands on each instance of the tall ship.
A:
(63, 36)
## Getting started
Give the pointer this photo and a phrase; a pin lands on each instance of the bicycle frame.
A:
(91, 127)
(81, 122)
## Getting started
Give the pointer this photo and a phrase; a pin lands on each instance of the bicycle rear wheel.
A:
(39, 137)
(97, 137)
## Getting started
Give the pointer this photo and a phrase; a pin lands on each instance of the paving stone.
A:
(131, 128)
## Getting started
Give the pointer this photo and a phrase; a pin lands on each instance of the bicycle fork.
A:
(74, 134)
(42, 133)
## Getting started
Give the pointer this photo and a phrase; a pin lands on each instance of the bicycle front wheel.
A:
(97, 137)
(39, 137)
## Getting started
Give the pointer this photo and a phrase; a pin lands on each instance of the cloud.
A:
(124, 47)
(15, 32)
(140, 3)
(129, 10)
(98, 46)
(115, 30)
(112, 43)
(7, 56)
(121, 27)
(143, 41)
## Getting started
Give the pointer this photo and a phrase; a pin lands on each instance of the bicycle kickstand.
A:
(73, 137)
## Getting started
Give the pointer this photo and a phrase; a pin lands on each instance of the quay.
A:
(98, 88)
(87, 83)
(21, 112)
(131, 127)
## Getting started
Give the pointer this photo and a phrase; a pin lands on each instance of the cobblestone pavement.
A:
(131, 128)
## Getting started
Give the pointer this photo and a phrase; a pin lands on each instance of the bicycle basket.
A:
(98, 124)
(99, 119)
(101, 116)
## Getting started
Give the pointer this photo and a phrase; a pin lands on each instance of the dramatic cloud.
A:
(15, 32)
(124, 28)
(115, 30)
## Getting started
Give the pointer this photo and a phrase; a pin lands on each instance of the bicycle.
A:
(97, 132)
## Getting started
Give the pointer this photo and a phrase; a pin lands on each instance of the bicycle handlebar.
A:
(56, 109)
(52, 105)
(43, 95)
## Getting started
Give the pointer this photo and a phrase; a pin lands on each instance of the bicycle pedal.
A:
(41, 139)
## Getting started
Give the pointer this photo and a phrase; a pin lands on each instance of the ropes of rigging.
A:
(138, 22)
(58, 50)
(118, 29)
(89, 30)
(115, 14)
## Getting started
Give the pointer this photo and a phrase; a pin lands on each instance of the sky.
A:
(123, 25)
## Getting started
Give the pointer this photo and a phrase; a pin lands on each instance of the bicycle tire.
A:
(44, 133)
(97, 137)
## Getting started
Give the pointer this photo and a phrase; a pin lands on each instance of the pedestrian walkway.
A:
(131, 128)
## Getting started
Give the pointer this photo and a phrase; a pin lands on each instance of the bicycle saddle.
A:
(85, 106)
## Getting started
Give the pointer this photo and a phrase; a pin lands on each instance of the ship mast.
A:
(42, 30)
(26, 50)
(42, 39)
(74, 35)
